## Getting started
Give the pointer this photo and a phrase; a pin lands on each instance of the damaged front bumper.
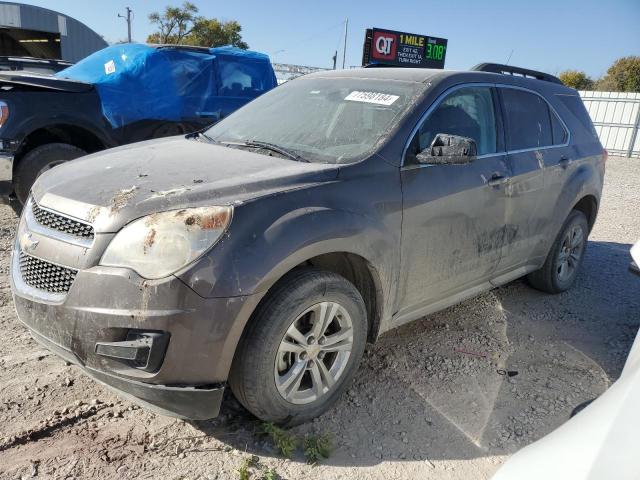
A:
(196, 403)
(157, 342)
(104, 307)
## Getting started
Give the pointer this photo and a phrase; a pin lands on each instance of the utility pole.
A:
(344, 50)
(335, 59)
(128, 20)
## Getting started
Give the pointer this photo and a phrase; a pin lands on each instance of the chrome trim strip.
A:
(34, 226)
(450, 90)
(535, 149)
(6, 167)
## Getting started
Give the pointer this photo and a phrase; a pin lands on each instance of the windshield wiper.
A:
(207, 137)
(270, 146)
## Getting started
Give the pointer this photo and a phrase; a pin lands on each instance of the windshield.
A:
(328, 120)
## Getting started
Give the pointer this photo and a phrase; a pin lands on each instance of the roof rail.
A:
(510, 70)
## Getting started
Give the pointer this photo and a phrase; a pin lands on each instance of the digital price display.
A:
(402, 49)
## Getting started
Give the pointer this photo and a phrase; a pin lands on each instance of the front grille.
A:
(44, 275)
(61, 223)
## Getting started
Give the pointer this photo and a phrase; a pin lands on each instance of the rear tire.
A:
(269, 356)
(39, 160)
(560, 270)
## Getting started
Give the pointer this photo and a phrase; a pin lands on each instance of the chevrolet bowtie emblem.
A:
(28, 243)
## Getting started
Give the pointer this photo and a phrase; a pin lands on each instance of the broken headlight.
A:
(160, 244)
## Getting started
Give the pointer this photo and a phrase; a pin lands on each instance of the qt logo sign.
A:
(385, 45)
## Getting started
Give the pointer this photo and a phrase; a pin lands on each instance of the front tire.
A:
(301, 349)
(38, 161)
(560, 270)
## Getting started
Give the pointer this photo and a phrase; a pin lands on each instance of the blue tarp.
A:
(137, 82)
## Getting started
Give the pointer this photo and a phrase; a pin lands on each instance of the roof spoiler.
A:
(510, 70)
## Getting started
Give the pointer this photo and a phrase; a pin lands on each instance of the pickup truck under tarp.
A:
(123, 94)
(137, 81)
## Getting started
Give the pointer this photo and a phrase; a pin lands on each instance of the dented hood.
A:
(111, 188)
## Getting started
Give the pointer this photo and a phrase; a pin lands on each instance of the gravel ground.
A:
(427, 402)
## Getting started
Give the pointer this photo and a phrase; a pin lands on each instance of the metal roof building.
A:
(29, 31)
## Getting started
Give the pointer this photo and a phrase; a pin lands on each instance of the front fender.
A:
(34, 113)
(267, 239)
(264, 245)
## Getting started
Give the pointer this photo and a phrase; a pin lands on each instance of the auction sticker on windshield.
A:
(372, 97)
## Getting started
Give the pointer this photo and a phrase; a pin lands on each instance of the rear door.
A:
(531, 153)
(453, 215)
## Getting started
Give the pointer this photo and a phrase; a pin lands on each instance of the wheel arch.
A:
(363, 275)
(588, 205)
(355, 268)
(352, 266)
(78, 136)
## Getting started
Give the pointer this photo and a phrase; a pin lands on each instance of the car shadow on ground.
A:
(439, 388)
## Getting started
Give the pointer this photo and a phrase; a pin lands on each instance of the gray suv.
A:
(266, 251)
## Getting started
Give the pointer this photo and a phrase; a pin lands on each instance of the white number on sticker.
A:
(109, 67)
(372, 97)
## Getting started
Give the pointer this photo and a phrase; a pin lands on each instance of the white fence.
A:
(616, 116)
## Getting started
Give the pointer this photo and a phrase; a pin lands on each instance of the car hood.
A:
(41, 81)
(111, 188)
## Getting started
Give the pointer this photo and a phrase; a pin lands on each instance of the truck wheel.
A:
(39, 160)
(301, 349)
(560, 270)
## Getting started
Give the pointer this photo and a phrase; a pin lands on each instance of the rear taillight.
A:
(4, 112)
(605, 155)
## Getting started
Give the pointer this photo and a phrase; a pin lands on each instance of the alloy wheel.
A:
(313, 353)
(571, 250)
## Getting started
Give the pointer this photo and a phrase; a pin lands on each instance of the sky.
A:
(547, 35)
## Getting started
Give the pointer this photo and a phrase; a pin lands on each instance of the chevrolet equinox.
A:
(264, 252)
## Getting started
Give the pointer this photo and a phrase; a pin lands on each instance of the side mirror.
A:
(449, 150)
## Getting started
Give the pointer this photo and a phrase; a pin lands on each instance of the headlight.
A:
(160, 244)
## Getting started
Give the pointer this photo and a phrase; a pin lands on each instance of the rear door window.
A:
(527, 118)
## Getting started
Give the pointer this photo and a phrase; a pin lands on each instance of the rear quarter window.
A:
(576, 107)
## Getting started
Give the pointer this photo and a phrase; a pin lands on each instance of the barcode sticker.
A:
(372, 97)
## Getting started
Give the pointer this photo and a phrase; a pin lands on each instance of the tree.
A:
(214, 33)
(182, 25)
(576, 79)
(174, 24)
(622, 76)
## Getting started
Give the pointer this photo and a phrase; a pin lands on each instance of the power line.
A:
(301, 43)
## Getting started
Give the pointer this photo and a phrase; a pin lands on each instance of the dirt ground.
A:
(427, 402)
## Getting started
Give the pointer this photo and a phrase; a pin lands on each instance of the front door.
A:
(453, 225)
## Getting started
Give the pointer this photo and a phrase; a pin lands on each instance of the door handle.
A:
(564, 161)
(496, 180)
